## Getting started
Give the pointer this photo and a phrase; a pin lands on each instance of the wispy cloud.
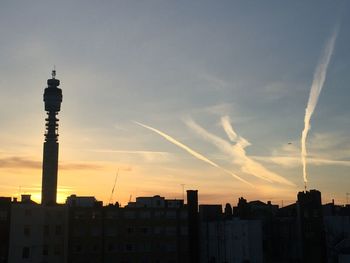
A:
(192, 152)
(20, 162)
(237, 152)
(294, 161)
(79, 166)
(147, 155)
(16, 162)
(316, 87)
(325, 149)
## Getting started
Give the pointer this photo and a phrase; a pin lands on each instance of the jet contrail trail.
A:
(316, 87)
(237, 152)
(192, 152)
(226, 124)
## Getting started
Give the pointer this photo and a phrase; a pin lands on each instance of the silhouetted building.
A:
(232, 241)
(85, 225)
(227, 239)
(37, 233)
(310, 219)
(337, 229)
(52, 99)
(243, 209)
(193, 225)
(282, 238)
(228, 211)
(5, 215)
(152, 229)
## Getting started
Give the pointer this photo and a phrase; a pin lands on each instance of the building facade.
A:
(37, 233)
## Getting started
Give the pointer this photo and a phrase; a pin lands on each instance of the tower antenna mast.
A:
(53, 100)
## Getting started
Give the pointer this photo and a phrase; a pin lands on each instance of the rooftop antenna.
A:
(347, 198)
(115, 182)
(130, 198)
(305, 186)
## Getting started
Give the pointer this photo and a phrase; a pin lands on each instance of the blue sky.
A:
(166, 64)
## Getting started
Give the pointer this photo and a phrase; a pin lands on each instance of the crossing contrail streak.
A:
(316, 87)
(237, 151)
(192, 152)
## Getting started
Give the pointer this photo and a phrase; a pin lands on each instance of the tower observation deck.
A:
(52, 99)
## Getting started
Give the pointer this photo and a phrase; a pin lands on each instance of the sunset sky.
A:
(209, 94)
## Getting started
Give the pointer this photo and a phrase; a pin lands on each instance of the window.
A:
(26, 231)
(78, 231)
(60, 214)
(171, 214)
(144, 230)
(112, 215)
(129, 215)
(78, 248)
(96, 231)
(48, 214)
(25, 252)
(27, 212)
(184, 230)
(171, 247)
(46, 230)
(95, 215)
(3, 215)
(110, 247)
(158, 230)
(144, 247)
(45, 250)
(170, 230)
(110, 231)
(158, 214)
(95, 247)
(145, 214)
(128, 247)
(130, 230)
(57, 250)
(58, 229)
(183, 215)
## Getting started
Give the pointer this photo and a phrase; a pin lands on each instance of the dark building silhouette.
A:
(228, 211)
(38, 233)
(243, 208)
(224, 238)
(5, 213)
(152, 229)
(311, 224)
(193, 225)
(52, 99)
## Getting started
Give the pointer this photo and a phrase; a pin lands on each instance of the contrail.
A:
(316, 87)
(225, 122)
(237, 152)
(192, 152)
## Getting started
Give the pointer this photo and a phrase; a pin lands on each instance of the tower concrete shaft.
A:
(52, 99)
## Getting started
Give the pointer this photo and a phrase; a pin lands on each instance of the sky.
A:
(206, 95)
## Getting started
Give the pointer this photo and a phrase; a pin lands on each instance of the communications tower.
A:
(52, 99)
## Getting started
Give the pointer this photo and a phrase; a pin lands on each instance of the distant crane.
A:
(115, 182)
